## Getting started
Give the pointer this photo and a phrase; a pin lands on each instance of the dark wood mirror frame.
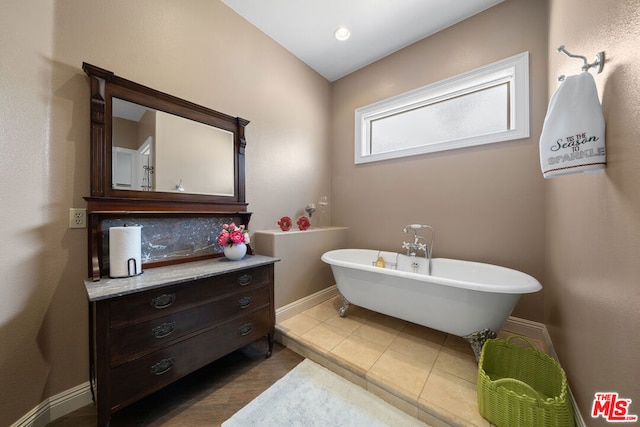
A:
(106, 202)
(105, 85)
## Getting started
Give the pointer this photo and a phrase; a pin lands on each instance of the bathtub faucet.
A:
(415, 246)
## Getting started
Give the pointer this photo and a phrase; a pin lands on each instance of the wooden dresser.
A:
(150, 330)
(191, 305)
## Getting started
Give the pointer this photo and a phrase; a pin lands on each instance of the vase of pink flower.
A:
(234, 240)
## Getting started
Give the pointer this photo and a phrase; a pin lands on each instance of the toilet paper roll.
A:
(125, 251)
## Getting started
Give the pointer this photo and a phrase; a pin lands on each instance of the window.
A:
(489, 104)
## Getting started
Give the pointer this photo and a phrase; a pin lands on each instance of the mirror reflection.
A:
(156, 151)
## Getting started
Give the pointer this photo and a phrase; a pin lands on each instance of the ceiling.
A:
(378, 27)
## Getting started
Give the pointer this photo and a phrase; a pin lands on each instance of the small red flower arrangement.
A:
(231, 234)
(303, 223)
(285, 223)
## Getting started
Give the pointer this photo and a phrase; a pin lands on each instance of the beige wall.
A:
(485, 203)
(197, 50)
(197, 156)
(593, 221)
(125, 133)
(580, 234)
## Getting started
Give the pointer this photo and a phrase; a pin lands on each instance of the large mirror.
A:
(155, 151)
(150, 145)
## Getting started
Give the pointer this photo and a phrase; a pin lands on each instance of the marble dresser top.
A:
(152, 278)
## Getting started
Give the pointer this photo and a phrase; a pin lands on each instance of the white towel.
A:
(572, 137)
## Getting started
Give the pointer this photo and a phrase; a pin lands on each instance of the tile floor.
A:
(426, 373)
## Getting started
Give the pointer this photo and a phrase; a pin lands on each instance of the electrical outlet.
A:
(77, 218)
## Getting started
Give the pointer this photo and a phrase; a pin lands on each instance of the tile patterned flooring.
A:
(429, 374)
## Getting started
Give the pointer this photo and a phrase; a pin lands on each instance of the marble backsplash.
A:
(166, 239)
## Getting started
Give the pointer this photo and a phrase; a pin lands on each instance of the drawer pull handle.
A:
(245, 302)
(163, 301)
(245, 329)
(244, 280)
(163, 330)
(163, 366)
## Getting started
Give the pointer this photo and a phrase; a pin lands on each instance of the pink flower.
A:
(223, 238)
(231, 233)
(236, 236)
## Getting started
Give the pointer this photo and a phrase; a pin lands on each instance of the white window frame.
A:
(513, 70)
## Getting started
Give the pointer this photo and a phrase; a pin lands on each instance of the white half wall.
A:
(300, 272)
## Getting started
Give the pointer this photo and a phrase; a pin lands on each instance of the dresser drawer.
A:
(151, 372)
(170, 299)
(140, 338)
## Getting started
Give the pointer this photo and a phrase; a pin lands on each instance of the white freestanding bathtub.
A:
(468, 299)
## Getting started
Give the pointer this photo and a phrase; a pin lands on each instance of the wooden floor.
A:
(207, 397)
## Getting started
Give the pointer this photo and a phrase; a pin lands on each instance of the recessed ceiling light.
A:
(342, 33)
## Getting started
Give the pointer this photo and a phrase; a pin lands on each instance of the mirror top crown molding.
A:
(104, 87)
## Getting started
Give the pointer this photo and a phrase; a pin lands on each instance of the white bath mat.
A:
(311, 395)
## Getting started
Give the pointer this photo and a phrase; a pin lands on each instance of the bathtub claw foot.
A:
(477, 340)
(342, 311)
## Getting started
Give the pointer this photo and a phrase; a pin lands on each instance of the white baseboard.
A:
(297, 307)
(539, 331)
(528, 328)
(56, 406)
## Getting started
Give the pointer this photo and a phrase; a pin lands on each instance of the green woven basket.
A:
(521, 386)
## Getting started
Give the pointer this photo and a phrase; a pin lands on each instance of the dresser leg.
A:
(270, 342)
(92, 360)
(104, 421)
